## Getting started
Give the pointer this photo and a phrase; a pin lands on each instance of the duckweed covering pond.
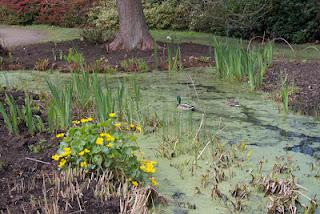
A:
(237, 144)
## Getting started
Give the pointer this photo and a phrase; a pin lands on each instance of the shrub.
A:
(108, 145)
(66, 13)
(97, 35)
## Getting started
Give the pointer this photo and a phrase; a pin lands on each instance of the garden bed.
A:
(304, 79)
(26, 57)
(29, 176)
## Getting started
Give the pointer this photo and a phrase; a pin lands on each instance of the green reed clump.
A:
(103, 99)
(82, 85)
(11, 117)
(174, 58)
(60, 107)
(75, 59)
(285, 94)
(236, 63)
(27, 115)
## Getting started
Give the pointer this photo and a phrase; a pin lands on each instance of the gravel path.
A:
(14, 36)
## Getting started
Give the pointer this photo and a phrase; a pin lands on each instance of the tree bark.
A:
(133, 32)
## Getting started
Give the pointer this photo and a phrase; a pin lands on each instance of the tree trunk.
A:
(133, 32)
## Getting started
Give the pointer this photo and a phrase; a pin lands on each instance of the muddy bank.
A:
(304, 79)
(26, 57)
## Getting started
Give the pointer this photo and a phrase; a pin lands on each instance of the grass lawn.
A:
(302, 52)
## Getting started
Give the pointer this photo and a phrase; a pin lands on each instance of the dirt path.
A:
(12, 36)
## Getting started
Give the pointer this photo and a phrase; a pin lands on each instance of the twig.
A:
(210, 141)
(36, 160)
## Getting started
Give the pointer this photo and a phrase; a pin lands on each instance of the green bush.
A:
(109, 145)
(294, 20)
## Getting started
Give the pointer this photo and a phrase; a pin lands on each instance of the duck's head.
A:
(179, 99)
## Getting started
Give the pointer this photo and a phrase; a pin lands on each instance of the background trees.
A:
(295, 20)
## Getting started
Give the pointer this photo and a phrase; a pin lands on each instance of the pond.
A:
(270, 136)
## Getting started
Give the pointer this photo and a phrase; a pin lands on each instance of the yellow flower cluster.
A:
(62, 157)
(112, 115)
(83, 164)
(83, 152)
(153, 181)
(109, 137)
(66, 152)
(135, 183)
(99, 141)
(62, 163)
(60, 135)
(85, 120)
(76, 122)
(134, 127)
(148, 166)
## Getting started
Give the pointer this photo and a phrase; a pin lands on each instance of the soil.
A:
(26, 57)
(304, 79)
(25, 161)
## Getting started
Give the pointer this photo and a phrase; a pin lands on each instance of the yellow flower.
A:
(117, 125)
(135, 183)
(112, 115)
(131, 126)
(109, 138)
(76, 122)
(110, 145)
(66, 152)
(138, 129)
(60, 135)
(86, 150)
(85, 120)
(148, 166)
(81, 153)
(99, 141)
(83, 164)
(154, 181)
(62, 163)
(55, 157)
(103, 134)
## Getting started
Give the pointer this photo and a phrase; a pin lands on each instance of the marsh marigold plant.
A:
(109, 145)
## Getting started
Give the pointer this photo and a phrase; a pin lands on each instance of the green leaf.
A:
(96, 149)
(97, 159)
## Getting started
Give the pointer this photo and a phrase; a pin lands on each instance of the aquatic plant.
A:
(60, 106)
(42, 65)
(27, 115)
(109, 145)
(285, 94)
(155, 55)
(74, 59)
(82, 86)
(235, 63)
(134, 65)
(10, 118)
(174, 62)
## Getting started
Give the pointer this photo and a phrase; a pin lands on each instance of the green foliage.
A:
(285, 94)
(75, 59)
(105, 146)
(97, 35)
(82, 85)
(27, 115)
(134, 65)
(236, 63)
(297, 20)
(60, 107)
(15, 116)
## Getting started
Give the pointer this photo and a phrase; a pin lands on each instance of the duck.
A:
(184, 106)
(233, 103)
